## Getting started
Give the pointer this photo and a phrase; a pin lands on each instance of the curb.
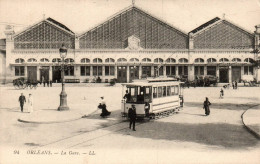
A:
(49, 122)
(248, 128)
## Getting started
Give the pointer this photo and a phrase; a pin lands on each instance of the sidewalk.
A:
(251, 120)
(50, 116)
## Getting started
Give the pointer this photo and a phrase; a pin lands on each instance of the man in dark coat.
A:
(132, 116)
(206, 105)
(22, 100)
(127, 96)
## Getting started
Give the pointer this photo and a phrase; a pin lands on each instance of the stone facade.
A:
(132, 44)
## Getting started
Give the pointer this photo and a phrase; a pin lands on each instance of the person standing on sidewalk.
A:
(30, 103)
(206, 105)
(22, 100)
(132, 116)
(221, 93)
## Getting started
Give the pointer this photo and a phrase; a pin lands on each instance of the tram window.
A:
(132, 91)
(176, 90)
(159, 91)
(147, 90)
(168, 91)
(154, 92)
(172, 90)
(164, 91)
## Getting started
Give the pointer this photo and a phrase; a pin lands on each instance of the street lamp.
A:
(63, 96)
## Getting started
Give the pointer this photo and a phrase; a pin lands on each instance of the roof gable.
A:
(221, 34)
(152, 32)
(46, 34)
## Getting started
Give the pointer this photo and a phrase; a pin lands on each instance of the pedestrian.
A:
(132, 116)
(51, 83)
(127, 96)
(102, 105)
(22, 100)
(233, 85)
(221, 93)
(206, 105)
(48, 83)
(30, 103)
(236, 84)
(44, 82)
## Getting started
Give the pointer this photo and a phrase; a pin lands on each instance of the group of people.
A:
(48, 82)
(22, 100)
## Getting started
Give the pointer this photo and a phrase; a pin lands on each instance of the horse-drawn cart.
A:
(22, 83)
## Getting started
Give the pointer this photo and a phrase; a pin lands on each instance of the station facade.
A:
(131, 44)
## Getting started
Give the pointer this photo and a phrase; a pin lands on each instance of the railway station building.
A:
(132, 44)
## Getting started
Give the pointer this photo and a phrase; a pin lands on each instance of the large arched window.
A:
(85, 60)
(134, 60)
(146, 60)
(31, 60)
(223, 60)
(121, 60)
(249, 60)
(44, 60)
(158, 60)
(97, 60)
(56, 60)
(236, 60)
(183, 60)
(170, 60)
(199, 60)
(110, 60)
(212, 60)
(69, 60)
(19, 60)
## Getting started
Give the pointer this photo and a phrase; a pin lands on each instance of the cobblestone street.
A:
(188, 131)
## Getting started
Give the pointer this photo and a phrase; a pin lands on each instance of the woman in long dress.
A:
(30, 103)
(103, 106)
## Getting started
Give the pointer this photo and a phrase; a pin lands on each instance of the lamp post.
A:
(63, 96)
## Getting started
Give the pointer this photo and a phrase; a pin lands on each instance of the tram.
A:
(152, 97)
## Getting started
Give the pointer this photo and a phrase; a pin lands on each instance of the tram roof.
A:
(142, 84)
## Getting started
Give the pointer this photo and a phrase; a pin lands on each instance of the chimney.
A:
(9, 32)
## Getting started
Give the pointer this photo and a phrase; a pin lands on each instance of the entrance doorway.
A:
(223, 74)
(146, 71)
(32, 73)
(44, 73)
(134, 73)
(121, 74)
(236, 73)
(56, 74)
(211, 70)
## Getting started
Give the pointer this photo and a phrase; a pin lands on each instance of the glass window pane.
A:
(107, 70)
(87, 70)
(99, 70)
(94, 70)
(168, 70)
(82, 71)
(172, 90)
(201, 70)
(112, 70)
(164, 91)
(251, 72)
(17, 70)
(159, 91)
(154, 92)
(168, 91)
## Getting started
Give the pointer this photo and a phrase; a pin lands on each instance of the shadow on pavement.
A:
(228, 106)
(224, 135)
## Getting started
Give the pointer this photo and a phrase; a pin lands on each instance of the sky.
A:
(81, 15)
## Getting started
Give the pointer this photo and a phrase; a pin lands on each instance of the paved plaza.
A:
(185, 137)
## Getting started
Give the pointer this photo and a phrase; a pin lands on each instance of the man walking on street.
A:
(132, 116)
(22, 100)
